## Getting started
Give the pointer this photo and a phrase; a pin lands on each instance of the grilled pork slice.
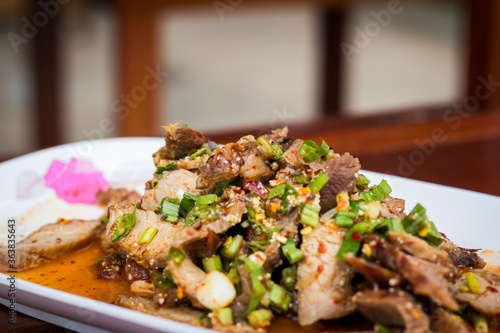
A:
(444, 322)
(151, 255)
(324, 288)
(292, 156)
(462, 257)
(488, 301)
(184, 315)
(179, 142)
(426, 278)
(187, 276)
(342, 172)
(169, 186)
(288, 223)
(235, 159)
(423, 250)
(392, 208)
(50, 242)
(392, 309)
(240, 303)
(377, 275)
(230, 215)
(113, 195)
(418, 247)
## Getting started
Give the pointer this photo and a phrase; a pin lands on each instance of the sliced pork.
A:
(50, 242)
(179, 142)
(343, 178)
(391, 309)
(462, 257)
(184, 315)
(153, 254)
(488, 300)
(173, 184)
(324, 288)
(426, 278)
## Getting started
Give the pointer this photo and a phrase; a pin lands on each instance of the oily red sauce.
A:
(75, 273)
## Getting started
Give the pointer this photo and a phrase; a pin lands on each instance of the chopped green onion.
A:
(213, 263)
(390, 225)
(318, 182)
(161, 281)
(206, 199)
(233, 275)
(480, 323)
(362, 183)
(279, 297)
(416, 221)
(187, 203)
(310, 150)
(205, 321)
(291, 253)
(190, 217)
(354, 205)
(199, 152)
(123, 225)
(277, 191)
(382, 190)
(169, 209)
(289, 190)
(473, 284)
(105, 219)
(264, 147)
(433, 236)
(205, 212)
(224, 316)
(345, 219)
(258, 290)
(352, 240)
(289, 276)
(310, 215)
(147, 236)
(278, 152)
(176, 255)
(231, 247)
(379, 192)
(161, 168)
(381, 328)
(303, 179)
(220, 186)
(260, 318)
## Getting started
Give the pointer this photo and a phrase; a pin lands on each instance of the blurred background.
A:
(348, 71)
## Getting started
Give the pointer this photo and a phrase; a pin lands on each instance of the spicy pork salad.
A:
(230, 236)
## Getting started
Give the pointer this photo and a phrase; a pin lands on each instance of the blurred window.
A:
(246, 67)
(414, 57)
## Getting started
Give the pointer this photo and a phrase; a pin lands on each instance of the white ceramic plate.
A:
(468, 218)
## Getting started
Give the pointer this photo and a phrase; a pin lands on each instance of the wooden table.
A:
(418, 145)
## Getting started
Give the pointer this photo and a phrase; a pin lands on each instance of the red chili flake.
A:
(322, 248)
(321, 268)
(492, 289)
(58, 240)
(356, 236)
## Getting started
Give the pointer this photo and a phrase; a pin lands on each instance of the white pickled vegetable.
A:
(215, 291)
